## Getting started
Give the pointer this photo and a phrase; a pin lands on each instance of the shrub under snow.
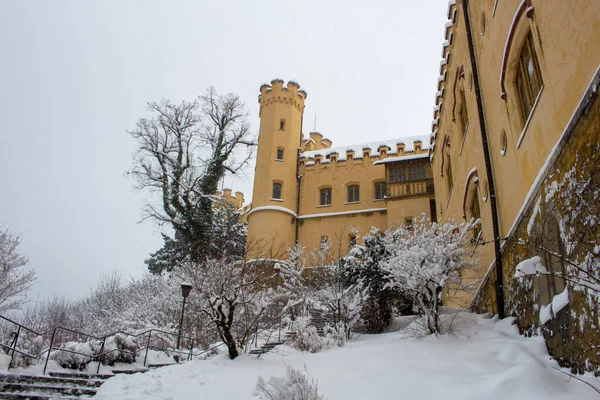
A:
(294, 385)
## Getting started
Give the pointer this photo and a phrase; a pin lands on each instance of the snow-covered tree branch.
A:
(183, 151)
(14, 280)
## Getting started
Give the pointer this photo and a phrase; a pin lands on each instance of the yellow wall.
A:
(271, 231)
(565, 40)
(277, 103)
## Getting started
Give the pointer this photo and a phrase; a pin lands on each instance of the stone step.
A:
(129, 371)
(43, 389)
(160, 365)
(53, 380)
(79, 375)
(36, 396)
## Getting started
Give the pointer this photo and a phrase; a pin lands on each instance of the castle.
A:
(306, 191)
(515, 143)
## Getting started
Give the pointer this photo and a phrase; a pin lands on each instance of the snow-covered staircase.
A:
(54, 386)
(320, 318)
(265, 348)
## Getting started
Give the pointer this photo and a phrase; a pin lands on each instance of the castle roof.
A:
(373, 146)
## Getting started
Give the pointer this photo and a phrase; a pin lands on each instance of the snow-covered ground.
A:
(479, 359)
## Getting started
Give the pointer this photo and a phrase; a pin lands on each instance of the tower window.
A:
(325, 197)
(282, 125)
(379, 190)
(529, 78)
(277, 190)
(353, 194)
(409, 223)
(280, 154)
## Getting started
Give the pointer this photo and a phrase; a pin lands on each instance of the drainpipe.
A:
(298, 178)
(488, 166)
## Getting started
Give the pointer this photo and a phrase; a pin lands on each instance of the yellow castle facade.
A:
(309, 192)
(515, 142)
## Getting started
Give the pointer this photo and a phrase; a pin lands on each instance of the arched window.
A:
(463, 114)
(474, 212)
(528, 78)
(449, 180)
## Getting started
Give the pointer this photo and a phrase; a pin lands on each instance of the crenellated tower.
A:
(272, 219)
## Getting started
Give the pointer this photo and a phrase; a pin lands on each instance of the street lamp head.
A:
(186, 288)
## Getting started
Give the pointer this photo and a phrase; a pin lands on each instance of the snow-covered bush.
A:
(294, 385)
(364, 263)
(75, 355)
(119, 348)
(306, 336)
(425, 259)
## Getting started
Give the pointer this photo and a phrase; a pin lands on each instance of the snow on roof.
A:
(374, 146)
(401, 158)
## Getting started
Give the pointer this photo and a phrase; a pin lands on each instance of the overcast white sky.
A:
(74, 75)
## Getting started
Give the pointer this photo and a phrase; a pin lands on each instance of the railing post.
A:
(100, 356)
(147, 347)
(49, 350)
(191, 351)
(14, 347)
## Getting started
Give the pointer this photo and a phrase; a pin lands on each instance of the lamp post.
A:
(186, 288)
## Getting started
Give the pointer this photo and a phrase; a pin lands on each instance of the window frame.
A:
(416, 172)
(279, 149)
(322, 191)
(273, 192)
(528, 83)
(353, 193)
(378, 191)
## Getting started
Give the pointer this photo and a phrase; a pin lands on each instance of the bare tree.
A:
(183, 151)
(14, 281)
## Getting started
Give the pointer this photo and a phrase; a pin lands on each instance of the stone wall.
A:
(561, 225)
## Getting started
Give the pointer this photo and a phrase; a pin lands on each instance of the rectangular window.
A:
(416, 173)
(398, 175)
(282, 125)
(529, 78)
(277, 190)
(353, 194)
(352, 241)
(324, 242)
(379, 190)
(280, 154)
(325, 197)
(409, 223)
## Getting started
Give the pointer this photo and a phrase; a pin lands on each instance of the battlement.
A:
(278, 92)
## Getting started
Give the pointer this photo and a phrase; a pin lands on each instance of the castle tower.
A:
(272, 219)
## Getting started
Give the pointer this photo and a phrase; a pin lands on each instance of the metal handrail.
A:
(13, 346)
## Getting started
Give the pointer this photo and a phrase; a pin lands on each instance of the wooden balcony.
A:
(410, 188)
